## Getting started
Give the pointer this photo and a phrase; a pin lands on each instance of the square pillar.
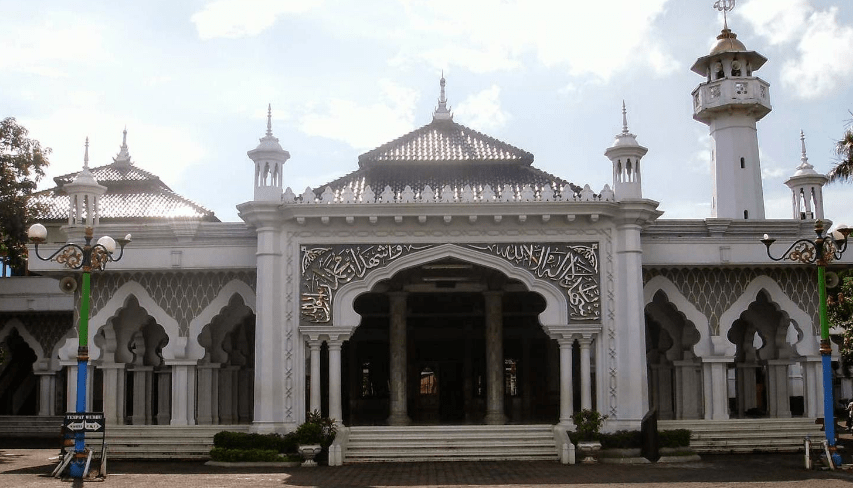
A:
(183, 391)
(114, 394)
(208, 393)
(164, 396)
(494, 359)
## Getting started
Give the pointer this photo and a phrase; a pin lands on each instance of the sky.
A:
(191, 81)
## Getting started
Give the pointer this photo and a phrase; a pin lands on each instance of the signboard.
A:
(84, 422)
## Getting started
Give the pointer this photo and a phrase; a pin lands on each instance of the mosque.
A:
(445, 281)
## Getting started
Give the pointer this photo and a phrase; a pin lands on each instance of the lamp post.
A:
(85, 258)
(821, 251)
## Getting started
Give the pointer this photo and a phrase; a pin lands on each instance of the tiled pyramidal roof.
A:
(443, 161)
(132, 194)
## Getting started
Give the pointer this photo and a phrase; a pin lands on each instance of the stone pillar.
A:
(335, 407)
(246, 394)
(114, 397)
(746, 393)
(70, 387)
(526, 379)
(566, 386)
(494, 359)
(813, 386)
(398, 360)
(688, 389)
(468, 376)
(778, 395)
(141, 395)
(208, 393)
(47, 392)
(316, 397)
(164, 396)
(715, 387)
(183, 391)
(662, 392)
(228, 395)
(586, 372)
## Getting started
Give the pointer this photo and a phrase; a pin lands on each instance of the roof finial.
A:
(269, 119)
(123, 156)
(86, 155)
(725, 6)
(442, 112)
(804, 159)
(624, 119)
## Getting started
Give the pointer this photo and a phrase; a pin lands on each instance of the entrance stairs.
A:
(747, 435)
(160, 441)
(31, 426)
(450, 443)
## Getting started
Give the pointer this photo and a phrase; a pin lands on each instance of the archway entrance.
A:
(447, 370)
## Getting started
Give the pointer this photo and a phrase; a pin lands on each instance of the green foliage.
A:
(588, 424)
(840, 313)
(621, 439)
(316, 430)
(674, 438)
(247, 441)
(843, 169)
(244, 455)
(22, 163)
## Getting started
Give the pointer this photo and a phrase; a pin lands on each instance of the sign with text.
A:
(84, 422)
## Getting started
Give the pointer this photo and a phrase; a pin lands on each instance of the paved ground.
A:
(23, 468)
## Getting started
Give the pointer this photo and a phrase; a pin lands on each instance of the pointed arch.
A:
(16, 324)
(118, 301)
(705, 346)
(808, 344)
(223, 298)
(556, 308)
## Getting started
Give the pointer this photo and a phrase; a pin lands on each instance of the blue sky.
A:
(191, 81)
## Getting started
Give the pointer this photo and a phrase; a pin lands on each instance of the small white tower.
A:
(442, 112)
(625, 154)
(807, 188)
(84, 194)
(269, 160)
(122, 159)
(730, 102)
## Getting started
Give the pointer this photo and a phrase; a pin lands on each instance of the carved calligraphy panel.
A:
(572, 267)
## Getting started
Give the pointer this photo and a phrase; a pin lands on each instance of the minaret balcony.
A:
(748, 94)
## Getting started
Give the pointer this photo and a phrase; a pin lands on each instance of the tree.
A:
(840, 313)
(22, 163)
(843, 170)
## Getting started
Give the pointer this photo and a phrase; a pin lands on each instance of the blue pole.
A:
(78, 465)
(826, 360)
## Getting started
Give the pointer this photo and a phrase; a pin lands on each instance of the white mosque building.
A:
(445, 281)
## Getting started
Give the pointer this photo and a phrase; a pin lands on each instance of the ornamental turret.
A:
(730, 101)
(84, 194)
(269, 158)
(807, 188)
(625, 154)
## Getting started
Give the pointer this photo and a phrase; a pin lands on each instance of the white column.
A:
(227, 395)
(688, 389)
(164, 396)
(208, 393)
(141, 395)
(586, 376)
(398, 360)
(813, 386)
(746, 392)
(716, 387)
(316, 396)
(269, 358)
(494, 359)
(47, 392)
(71, 387)
(114, 397)
(778, 395)
(183, 391)
(335, 407)
(566, 387)
(244, 406)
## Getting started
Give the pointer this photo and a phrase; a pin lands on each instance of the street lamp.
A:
(821, 251)
(86, 258)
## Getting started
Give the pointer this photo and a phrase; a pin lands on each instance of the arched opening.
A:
(675, 373)
(18, 383)
(446, 316)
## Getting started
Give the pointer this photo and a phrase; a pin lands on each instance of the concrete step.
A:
(746, 435)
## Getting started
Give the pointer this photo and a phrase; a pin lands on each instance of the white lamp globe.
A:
(37, 232)
(108, 242)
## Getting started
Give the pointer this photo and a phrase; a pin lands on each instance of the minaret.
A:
(84, 194)
(442, 112)
(625, 154)
(730, 102)
(269, 160)
(807, 188)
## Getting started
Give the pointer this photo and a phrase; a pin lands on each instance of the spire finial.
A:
(86, 155)
(804, 159)
(725, 6)
(124, 137)
(123, 156)
(442, 112)
(624, 119)
(269, 119)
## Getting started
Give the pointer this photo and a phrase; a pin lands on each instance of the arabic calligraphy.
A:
(572, 267)
(325, 269)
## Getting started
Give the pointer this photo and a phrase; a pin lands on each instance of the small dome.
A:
(727, 42)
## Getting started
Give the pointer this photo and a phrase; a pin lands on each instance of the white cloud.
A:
(244, 18)
(823, 45)
(483, 110)
(364, 126)
(772, 172)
